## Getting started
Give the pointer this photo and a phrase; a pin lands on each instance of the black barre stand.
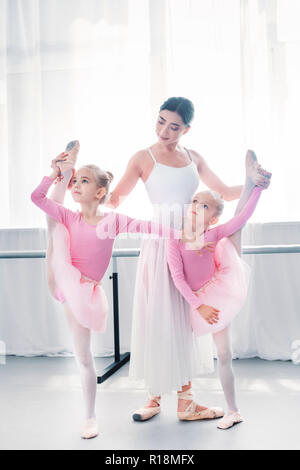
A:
(120, 359)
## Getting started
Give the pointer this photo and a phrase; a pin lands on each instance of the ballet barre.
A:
(121, 359)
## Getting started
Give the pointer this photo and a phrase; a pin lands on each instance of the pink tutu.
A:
(226, 291)
(85, 297)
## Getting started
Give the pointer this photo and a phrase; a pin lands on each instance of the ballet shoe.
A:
(264, 172)
(72, 150)
(191, 414)
(255, 172)
(90, 429)
(230, 420)
(252, 155)
(143, 414)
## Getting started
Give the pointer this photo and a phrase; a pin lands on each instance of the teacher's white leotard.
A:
(164, 351)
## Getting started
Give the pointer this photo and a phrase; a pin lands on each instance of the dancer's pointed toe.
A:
(230, 420)
(143, 414)
(90, 429)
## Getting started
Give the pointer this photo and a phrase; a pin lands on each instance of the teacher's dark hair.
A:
(182, 106)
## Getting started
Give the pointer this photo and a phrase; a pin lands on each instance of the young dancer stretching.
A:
(80, 257)
(214, 282)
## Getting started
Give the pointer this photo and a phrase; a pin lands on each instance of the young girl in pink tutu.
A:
(212, 277)
(81, 248)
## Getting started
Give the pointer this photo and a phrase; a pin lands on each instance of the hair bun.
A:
(110, 176)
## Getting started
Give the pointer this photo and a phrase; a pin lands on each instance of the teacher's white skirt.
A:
(164, 351)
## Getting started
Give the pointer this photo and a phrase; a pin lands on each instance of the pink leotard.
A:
(89, 254)
(189, 270)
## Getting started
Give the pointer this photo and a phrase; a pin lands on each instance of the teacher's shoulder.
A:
(139, 160)
(197, 159)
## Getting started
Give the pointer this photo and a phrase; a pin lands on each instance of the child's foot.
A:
(255, 174)
(90, 429)
(151, 409)
(230, 420)
(264, 172)
(72, 150)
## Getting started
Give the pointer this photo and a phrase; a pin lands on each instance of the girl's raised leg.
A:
(255, 176)
(58, 195)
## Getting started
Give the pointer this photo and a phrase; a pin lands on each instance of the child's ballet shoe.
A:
(252, 155)
(90, 429)
(230, 420)
(264, 172)
(72, 149)
(255, 172)
(143, 414)
(190, 413)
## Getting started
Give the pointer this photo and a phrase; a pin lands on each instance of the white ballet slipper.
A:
(190, 413)
(230, 420)
(253, 156)
(143, 414)
(72, 149)
(258, 175)
(90, 429)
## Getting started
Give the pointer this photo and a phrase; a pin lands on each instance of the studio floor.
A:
(41, 408)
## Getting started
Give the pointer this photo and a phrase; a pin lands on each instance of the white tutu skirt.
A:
(226, 291)
(85, 297)
(164, 351)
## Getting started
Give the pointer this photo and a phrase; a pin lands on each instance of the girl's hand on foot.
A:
(266, 177)
(56, 173)
(210, 314)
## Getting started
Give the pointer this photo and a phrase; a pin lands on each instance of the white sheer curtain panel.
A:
(239, 62)
(69, 69)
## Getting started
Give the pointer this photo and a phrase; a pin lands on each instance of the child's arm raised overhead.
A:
(50, 207)
(234, 224)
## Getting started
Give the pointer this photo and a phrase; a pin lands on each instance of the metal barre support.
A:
(120, 359)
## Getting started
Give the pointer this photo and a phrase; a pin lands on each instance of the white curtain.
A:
(97, 70)
(69, 69)
(239, 62)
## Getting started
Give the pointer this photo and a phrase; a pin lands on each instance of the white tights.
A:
(81, 336)
(82, 349)
(222, 339)
(223, 344)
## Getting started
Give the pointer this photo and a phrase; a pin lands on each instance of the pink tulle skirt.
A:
(85, 297)
(226, 291)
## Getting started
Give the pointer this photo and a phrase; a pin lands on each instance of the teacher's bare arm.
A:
(212, 181)
(128, 181)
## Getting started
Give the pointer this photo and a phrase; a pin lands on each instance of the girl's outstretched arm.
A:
(235, 224)
(127, 224)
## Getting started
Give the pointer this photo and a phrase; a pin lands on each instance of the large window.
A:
(97, 70)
